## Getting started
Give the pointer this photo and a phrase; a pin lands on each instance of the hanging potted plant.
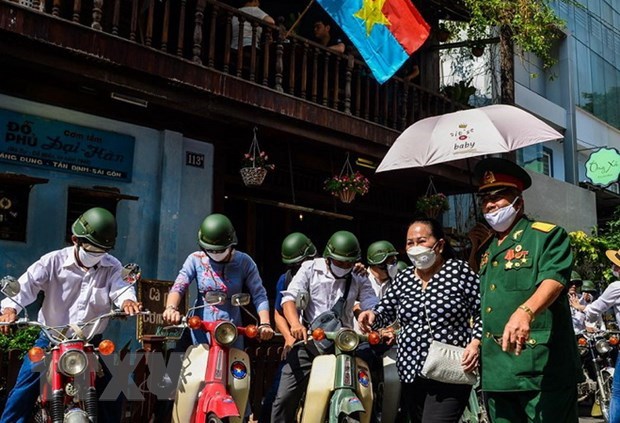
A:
(255, 164)
(433, 205)
(347, 184)
(443, 33)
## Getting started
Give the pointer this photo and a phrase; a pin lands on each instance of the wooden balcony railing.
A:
(201, 31)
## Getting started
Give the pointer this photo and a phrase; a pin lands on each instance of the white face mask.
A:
(339, 272)
(501, 219)
(422, 257)
(392, 270)
(219, 257)
(89, 259)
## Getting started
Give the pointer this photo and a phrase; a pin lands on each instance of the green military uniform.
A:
(510, 273)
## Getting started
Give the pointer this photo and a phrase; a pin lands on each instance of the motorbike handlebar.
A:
(58, 334)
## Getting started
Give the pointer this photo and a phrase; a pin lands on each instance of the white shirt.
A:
(72, 294)
(247, 27)
(610, 298)
(380, 288)
(325, 290)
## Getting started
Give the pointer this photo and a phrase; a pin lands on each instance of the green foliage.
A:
(21, 340)
(459, 92)
(533, 23)
(590, 260)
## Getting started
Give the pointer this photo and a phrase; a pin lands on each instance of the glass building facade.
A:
(596, 32)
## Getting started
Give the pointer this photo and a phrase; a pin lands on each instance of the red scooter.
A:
(214, 385)
(72, 363)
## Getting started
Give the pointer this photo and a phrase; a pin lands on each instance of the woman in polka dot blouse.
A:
(449, 290)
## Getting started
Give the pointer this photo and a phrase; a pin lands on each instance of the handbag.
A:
(443, 362)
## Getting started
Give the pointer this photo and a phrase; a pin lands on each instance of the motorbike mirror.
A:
(240, 300)
(9, 286)
(302, 300)
(131, 273)
(215, 298)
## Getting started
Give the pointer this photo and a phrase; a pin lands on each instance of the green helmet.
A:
(343, 246)
(379, 251)
(96, 226)
(216, 233)
(575, 278)
(401, 265)
(297, 247)
(588, 286)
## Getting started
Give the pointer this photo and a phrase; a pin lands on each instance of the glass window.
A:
(584, 74)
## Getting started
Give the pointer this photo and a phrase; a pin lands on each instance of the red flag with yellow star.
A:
(385, 32)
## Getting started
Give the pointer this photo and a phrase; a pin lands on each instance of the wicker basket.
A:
(253, 176)
(346, 196)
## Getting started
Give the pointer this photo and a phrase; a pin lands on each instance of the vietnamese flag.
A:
(385, 32)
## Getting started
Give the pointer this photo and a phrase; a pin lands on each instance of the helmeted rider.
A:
(218, 266)
(296, 248)
(325, 280)
(80, 282)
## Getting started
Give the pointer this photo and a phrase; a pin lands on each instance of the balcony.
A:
(156, 49)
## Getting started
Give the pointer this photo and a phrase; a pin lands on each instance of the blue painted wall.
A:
(158, 231)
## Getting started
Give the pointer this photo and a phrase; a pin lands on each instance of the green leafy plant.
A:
(353, 182)
(437, 203)
(459, 92)
(22, 340)
(532, 24)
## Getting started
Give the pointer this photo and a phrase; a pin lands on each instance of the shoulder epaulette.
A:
(543, 227)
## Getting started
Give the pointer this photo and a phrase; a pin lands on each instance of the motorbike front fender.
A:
(344, 401)
(215, 400)
(609, 370)
(191, 382)
(320, 387)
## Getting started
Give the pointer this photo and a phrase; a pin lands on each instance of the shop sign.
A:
(603, 166)
(38, 142)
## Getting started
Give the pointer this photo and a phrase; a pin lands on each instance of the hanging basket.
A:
(434, 212)
(253, 176)
(346, 196)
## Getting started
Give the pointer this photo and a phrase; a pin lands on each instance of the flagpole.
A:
(298, 19)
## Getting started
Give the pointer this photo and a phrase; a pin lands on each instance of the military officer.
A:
(530, 365)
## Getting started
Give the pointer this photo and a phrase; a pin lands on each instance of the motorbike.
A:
(340, 380)
(596, 351)
(71, 361)
(214, 385)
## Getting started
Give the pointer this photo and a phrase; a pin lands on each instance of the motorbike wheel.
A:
(353, 418)
(212, 418)
(607, 382)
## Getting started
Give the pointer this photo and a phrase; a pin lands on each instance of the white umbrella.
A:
(468, 133)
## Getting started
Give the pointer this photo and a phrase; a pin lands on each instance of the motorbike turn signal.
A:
(36, 354)
(374, 338)
(613, 340)
(318, 334)
(251, 331)
(106, 347)
(582, 342)
(194, 322)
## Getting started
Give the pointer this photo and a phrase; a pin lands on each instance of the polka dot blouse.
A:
(452, 299)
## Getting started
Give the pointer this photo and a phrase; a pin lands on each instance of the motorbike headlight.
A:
(347, 340)
(72, 362)
(602, 346)
(226, 333)
(75, 415)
